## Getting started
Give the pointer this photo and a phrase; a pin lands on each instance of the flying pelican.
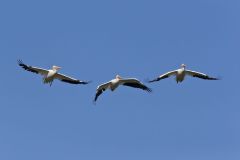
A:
(51, 74)
(181, 73)
(113, 84)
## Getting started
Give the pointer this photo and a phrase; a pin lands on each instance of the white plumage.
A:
(181, 73)
(51, 74)
(113, 84)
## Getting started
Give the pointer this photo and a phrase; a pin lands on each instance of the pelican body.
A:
(115, 83)
(50, 75)
(181, 74)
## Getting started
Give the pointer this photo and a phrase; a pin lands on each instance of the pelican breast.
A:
(180, 75)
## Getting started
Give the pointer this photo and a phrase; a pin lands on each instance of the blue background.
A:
(95, 40)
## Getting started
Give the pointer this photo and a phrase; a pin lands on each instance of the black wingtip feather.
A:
(149, 90)
(98, 94)
(136, 85)
(75, 82)
(20, 63)
(145, 88)
(26, 67)
(206, 77)
(158, 79)
(213, 78)
(85, 82)
(154, 80)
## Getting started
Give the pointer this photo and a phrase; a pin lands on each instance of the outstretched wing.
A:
(68, 79)
(100, 89)
(32, 69)
(200, 75)
(135, 83)
(163, 76)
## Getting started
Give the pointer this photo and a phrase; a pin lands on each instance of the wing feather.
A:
(135, 83)
(68, 79)
(32, 69)
(100, 89)
(163, 76)
(200, 75)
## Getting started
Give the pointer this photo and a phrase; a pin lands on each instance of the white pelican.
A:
(181, 73)
(113, 84)
(51, 74)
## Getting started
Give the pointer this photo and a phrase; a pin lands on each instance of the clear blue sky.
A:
(95, 40)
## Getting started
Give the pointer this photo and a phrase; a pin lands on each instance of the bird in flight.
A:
(51, 74)
(181, 73)
(113, 84)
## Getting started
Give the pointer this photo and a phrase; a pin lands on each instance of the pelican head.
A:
(56, 68)
(183, 65)
(118, 77)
